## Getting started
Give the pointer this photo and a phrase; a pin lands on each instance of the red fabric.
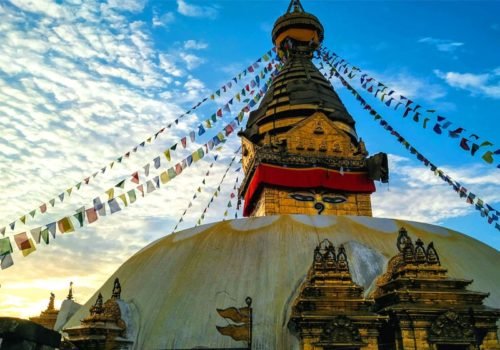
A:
(306, 178)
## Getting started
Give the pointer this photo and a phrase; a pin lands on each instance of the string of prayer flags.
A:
(91, 214)
(439, 122)
(42, 209)
(216, 193)
(195, 195)
(486, 210)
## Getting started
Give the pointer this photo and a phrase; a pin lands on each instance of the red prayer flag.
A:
(91, 215)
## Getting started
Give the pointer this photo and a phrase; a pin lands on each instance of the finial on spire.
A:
(296, 6)
(70, 293)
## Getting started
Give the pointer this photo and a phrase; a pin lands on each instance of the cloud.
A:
(195, 45)
(487, 84)
(442, 45)
(416, 194)
(191, 10)
(163, 20)
(191, 60)
(127, 5)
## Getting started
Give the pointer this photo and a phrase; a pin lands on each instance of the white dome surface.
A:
(174, 285)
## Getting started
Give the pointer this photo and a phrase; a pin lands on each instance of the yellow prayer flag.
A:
(196, 156)
(123, 197)
(167, 154)
(65, 225)
(110, 193)
(164, 177)
(23, 219)
(69, 190)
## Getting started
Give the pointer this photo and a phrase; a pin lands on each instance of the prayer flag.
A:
(171, 173)
(80, 216)
(99, 206)
(157, 162)
(113, 206)
(192, 136)
(65, 225)
(123, 197)
(150, 187)
(488, 157)
(5, 246)
(201, 130)
(131, 196)
(178, 168)
(52, 202)
(183, 142)
(140, 188)
(120, 184)
(22, 241)
(43, 208)
(91, 215)
(110, 193)
(167, 154)
(135, 177)
(6, 261)
(52, 229)
(164, 177)
(146, 170)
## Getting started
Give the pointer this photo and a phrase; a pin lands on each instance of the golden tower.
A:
(301, 153)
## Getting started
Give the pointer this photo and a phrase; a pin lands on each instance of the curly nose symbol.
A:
(319, 207)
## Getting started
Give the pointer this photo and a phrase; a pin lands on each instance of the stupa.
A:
(309, 268)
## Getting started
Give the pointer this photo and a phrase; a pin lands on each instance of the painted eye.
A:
(334, 200)
(302, 197)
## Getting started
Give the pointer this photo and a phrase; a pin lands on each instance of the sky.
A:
(83, 82)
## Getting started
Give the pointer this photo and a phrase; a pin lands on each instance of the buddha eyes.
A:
(302, 197)
(334, 200)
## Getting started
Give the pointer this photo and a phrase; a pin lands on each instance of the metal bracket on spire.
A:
(297, 6)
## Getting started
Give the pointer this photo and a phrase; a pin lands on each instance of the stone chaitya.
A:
(330, 311)
(48, 317)
(428, 309)
(104, 328)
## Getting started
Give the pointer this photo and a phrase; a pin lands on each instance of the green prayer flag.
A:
(120, 184)
(78, 185)
(80, 217)
(488, 157)
(5, 246)
(45, 235)
(131, 196)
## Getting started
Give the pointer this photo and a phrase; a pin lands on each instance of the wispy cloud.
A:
(417, 194)
(195, 45)
(163, 20)
(190, 10)
(443, 45)
(487, 84)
